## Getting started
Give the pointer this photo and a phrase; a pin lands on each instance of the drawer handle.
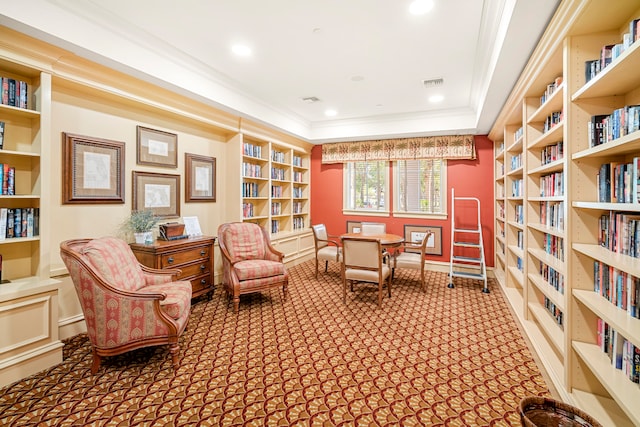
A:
(203, 281)
(203, 267)
(203, 252)
(170, 260)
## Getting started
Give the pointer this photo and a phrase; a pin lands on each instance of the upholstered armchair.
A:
(327, 248)
(250, 263)
(364, 261)
(125, 304)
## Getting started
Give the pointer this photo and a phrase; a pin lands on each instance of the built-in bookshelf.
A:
(26, 291)
(275, 186)
(578, 295)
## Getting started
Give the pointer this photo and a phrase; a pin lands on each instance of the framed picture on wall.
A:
(92, 170)
(156, 147)
(415, 234)
(354, 227)
(200, 181)
(158, 192)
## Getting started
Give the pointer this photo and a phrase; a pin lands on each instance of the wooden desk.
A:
(387, 240)
(194, 256)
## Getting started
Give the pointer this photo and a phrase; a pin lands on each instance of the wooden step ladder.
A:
(470, 267)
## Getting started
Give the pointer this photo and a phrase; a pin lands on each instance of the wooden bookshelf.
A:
(561, 232)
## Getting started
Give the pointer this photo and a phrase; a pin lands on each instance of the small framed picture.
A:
(354, 226)
(157, 148)
(200, 182)
(158, 192)
(415, 234)
(92, 170)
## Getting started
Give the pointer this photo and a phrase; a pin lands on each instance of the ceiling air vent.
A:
(433, 83)
(310, 99)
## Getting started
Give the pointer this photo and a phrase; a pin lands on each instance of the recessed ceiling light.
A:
(420, 7)
(330, 113)
(241, 50)
(436, 98)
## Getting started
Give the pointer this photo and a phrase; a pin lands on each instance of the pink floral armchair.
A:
(250, 263)
(125, 304)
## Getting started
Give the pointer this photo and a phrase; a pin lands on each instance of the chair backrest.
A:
(114, 261)
(369, 228)
(361, 253)
(320, 234)
(243, 240)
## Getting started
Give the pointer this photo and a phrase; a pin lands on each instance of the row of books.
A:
(297, 161)
(518, 133)
(8, 179)
(298, 223)
(277, 156)
(622, 353)
(276, 208)
(297, 207)
(552, 184)
(519, 264)
(516, 161)
(275, 226)
(517, 187)
(554, 311)
(247, 210)
(250, 170)
(298, 192)
(15, 92)
(520, 239)
(620, 232)
(553, 245)
(276, 191)
(19, 222)
(605, 128)
(551, 153)
(550, 90)
(252, 150)
(618, 287)
(2, 126)
(552, 120)
(552, 214)
(250, 189)
(519, 214)
(609, 52)
(552, 277)
(298, 176)
(619, 182)
(500, 210)
(278, 173)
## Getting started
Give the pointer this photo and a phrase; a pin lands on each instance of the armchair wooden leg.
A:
(95, 365)
(236, 303)
(174, 350)
(316, 268)
(379, 294)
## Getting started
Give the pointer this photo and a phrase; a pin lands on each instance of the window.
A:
(420, 186)
(366, 185)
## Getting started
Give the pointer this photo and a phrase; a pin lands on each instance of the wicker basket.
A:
(539, 411)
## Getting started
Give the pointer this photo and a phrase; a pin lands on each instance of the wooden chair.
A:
(250, 263)
(326, 248)
(413, 259)
(125, 304)
(363, 261)
(371, 228)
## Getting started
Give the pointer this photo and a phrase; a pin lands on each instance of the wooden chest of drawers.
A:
(193, 256)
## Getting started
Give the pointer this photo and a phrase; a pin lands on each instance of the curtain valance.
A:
(459, 147)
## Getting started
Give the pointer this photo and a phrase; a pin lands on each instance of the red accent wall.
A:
(470, 178)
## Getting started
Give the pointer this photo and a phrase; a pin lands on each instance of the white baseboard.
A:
(71, 326)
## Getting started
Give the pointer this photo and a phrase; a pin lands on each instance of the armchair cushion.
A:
(253, 269)
(247, 243)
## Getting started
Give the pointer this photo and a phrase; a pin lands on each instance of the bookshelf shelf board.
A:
(280, 181)
(10, 153)
(499, 155)
(516, 171)
(499, 275)
(516, 251)
(624, 391)
(280, 216)
(603, 409)
(616, 317)
(546, 229)
(517, 276)
(548, 259)
(255, 217)
(621, 262)
(555, 166)
(19, 240)
(549, 291)
(548, 325)
(628, 144)
(300, 168)
(553, 103)
(500, 239)
(552, 363)
(552, 135)
(255, 198)
(618, 78)
(19, 112)
(255, 178)
(500, 256)
(516, 146)
(546, 199)
(500, 177)
(499, 218)
(20, 196)
(625, 207)
(280, 198)
(515, 198)
(254, 159)
(516, 225)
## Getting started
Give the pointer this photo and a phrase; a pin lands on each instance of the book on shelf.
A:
(1, 135)
(618, 182)
(15, 93)
(3, 223)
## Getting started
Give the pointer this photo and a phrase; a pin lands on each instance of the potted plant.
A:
(140, 224)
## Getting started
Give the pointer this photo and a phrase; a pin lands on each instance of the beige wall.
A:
(73, 111)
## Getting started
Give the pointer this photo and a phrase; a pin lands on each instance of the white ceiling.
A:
(366, 59)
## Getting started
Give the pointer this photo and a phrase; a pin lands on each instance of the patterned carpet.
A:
(451, 357)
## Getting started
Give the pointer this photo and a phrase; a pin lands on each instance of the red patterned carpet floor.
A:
(447, 357)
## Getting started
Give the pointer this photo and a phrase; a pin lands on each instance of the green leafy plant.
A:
(140, 221)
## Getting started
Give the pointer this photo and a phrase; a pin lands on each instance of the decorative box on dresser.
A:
(193, 256)
(578, 295)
